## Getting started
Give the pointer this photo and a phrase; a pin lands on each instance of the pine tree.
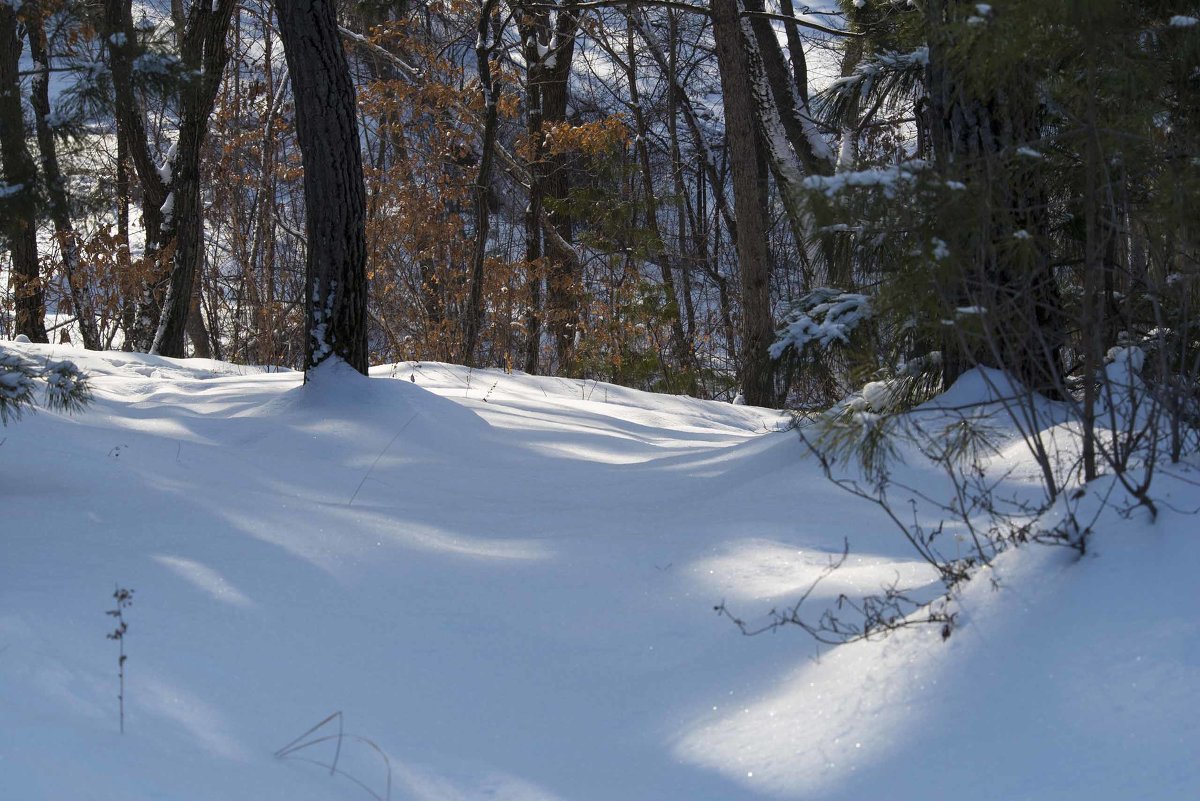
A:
(335, 201)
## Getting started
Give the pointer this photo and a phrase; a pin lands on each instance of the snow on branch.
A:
(824, 316)
(889, 179)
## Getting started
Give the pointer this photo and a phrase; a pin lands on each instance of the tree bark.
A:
(749, 197)
(335, 199)
(795, 51)
(794, 146)
(19, 200)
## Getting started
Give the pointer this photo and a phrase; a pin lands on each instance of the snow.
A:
(505, 585)
(890, 179)
(824, 316)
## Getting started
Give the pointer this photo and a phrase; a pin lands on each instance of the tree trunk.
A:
(120, 40)
(205, 54)
(745, 156)
(660, 256)
(59, 201)
(19, 200)
(549, 47)
(793, 145)
(795, 51)
(335, 199)
(969, 133)
(483, 178)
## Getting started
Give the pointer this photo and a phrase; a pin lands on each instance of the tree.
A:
(171, 200)
(19, 196)
(548, 36)
(335, 200)
(747, 165)
(204, 55)
(57, 197)
(483, 178)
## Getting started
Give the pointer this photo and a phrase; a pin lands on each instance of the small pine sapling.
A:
(124, 599)
(66, 388)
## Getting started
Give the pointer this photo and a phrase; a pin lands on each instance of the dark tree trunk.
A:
(794, 146)
(19, 201)
(749, 190)
(205, 54)
(968, 133)
(120, 40)
(59, 200)
(483, 179)
(795, 51)
(549, 46)
(128, 310)
(335, 200)
(196, 330)
(533, 211)
(790, 102)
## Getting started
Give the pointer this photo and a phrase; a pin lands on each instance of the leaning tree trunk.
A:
(335, 199)
(18, 200)
(794, 146)
(745, 156)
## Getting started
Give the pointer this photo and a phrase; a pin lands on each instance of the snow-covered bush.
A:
(66, 388)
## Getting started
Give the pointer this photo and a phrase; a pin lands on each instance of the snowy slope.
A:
(505, 584)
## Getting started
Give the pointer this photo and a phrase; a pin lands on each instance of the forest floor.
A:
(505, 585)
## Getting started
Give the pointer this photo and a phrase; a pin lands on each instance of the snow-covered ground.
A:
(505, 585)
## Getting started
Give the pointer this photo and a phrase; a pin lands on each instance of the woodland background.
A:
(646, 193)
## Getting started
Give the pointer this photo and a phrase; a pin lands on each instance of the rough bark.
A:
(794, 146)
(19, 201)
(745, 153)
(782, 99)
(795, 51)
(335, 199)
